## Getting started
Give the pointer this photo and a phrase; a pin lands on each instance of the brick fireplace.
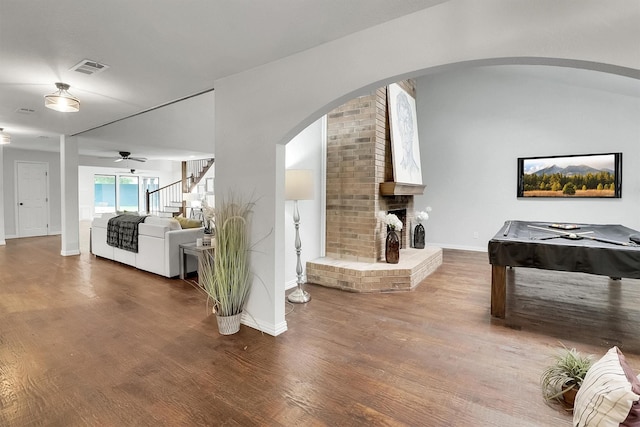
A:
(360, 184)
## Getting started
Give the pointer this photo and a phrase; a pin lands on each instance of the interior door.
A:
(33, 201)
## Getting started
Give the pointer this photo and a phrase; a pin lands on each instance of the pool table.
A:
(603, 249)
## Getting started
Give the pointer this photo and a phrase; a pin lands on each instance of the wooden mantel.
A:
(400, 189)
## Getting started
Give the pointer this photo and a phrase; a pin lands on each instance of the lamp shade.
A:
(62, 100)
(299, 184)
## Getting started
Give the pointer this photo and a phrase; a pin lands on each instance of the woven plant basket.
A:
(228, 325)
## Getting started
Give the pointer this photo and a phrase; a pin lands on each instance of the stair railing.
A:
(157, 201)
(194, 171)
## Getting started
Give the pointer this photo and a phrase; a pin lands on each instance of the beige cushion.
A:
(609, 394)
(189, 223)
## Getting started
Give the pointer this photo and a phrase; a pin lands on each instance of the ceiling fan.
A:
(125, 155)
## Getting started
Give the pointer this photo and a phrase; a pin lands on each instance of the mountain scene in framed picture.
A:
(574, 176)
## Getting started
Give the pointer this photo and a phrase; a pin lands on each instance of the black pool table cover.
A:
(590, 248)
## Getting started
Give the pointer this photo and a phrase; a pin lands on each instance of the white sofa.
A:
(158, 245)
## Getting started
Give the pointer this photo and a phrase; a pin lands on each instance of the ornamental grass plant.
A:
(225, 275)
(565, 374)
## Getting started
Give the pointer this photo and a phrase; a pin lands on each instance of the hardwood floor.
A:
(86, 341)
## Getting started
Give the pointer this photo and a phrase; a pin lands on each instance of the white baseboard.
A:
(290, 284)
(267, 328)
(459, 247)
(51, 233)
(70, 253)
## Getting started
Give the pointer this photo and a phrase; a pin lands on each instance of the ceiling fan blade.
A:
(138, 159)
(118, 160)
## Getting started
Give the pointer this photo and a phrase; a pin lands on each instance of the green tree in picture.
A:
(600, 187)
(569, 189)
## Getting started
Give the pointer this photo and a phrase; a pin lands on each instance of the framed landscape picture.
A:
(574, 176)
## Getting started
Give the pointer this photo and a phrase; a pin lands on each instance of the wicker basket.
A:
(228, 325)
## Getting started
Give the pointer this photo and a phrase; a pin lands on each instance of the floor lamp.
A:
(298, 186)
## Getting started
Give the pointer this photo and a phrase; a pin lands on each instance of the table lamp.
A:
(298, 186)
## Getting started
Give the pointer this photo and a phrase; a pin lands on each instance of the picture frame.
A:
(571, 176)
(405, 145)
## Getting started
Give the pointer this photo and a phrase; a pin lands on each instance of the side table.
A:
(193, 250)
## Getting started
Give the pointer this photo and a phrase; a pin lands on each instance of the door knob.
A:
(21, 204)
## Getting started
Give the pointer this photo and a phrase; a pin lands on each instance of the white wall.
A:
(306, 151)
(475, 123)
(2, 233)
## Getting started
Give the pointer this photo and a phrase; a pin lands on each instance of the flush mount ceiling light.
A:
(5, 138)
(62, 100)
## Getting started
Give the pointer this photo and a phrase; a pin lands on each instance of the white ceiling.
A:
(157, 98)
(159, 52)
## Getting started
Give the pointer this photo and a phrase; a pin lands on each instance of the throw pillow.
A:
(189, 223)
(609, 395)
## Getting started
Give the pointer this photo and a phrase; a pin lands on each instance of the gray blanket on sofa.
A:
(122, 231)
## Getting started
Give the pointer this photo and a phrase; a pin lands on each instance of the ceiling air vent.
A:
(25, 110)
(87, 66)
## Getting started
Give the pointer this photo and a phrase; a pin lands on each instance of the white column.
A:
(2, 169)
(69, 217)
(247, 169)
